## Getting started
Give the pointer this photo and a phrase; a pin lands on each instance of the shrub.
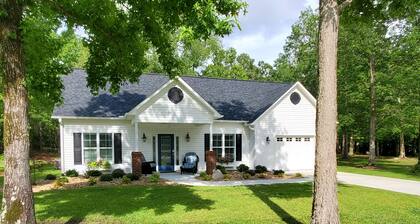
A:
(221, 168)
(106, 165)
(72, 173)
(278, 172)
(246, 176)
(118, 173)
(125, 180)
(92, 181)
(260, 169)
(242, 168)
(262, 175)
(204, 176)
(50, 177)
(227, 176)
(93, 173)
(132, 177)
(60, 182)
(298, 175)
(155, 177)
(251, 172)
(105, 177)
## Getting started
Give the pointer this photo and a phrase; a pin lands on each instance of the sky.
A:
(265, 26)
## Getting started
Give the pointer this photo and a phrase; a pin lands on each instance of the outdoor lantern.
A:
(187, 137)
(267, 139)
(144, 138)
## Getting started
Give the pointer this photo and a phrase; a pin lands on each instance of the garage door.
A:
(299, 152)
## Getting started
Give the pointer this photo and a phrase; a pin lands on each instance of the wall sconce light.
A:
(267, 139)
(144, 138)
(187, 137)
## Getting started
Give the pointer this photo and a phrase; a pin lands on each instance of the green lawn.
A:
(283, 203)
(387, 167)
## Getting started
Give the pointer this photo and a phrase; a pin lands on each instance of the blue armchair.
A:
(190, 163)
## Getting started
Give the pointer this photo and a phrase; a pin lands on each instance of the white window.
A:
(288, 139)
(307, 139)
(89, 147)
(218, 146)
(105, 146)
(224, 147)
(229, 147)
(279, 139)
(298, 139)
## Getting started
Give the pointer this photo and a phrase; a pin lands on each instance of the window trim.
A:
(98, 156)
(223, 146)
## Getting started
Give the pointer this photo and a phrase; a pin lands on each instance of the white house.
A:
(249, 122)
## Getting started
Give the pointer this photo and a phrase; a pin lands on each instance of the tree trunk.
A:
(17, 206)
(372, 129)
(345, 148)
(351, 147)
(402, 146)
(325, 203)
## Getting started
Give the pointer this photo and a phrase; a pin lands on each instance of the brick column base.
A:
(136, 162)
(210, 162)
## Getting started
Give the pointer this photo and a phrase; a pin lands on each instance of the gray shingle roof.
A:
(234, 99)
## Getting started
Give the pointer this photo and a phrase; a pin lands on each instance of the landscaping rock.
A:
(217, 175)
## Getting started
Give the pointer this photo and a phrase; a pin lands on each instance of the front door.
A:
(166, 152)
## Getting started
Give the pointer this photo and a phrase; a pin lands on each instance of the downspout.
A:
(60, 121)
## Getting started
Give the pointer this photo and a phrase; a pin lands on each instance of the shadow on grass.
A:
(116, 201)
(281, 191)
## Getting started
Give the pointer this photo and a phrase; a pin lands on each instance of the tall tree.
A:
(119, 35)
(325, 201)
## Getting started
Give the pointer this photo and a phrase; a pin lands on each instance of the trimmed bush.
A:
(60, 182)
(298, 175)
(105, 177)
(251, 172)
(242, 168)
(93, 173)
(260, 169)
(204, 176)
(118, 173)
(92, 181)
(50, 177)
(246, 176)
(72, 173)
(278, 172)
(221, 168)
(155, 177)
(125, 180)
(132, 177)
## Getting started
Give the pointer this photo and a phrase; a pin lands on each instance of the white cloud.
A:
(266, 26)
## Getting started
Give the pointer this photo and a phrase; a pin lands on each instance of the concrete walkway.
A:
(188, 179)
(385, 183)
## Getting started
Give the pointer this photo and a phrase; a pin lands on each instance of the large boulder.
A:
(217, 175)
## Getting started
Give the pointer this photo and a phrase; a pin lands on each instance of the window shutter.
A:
(77, 148)
(238, 147)
(117, 148)
(206, 144)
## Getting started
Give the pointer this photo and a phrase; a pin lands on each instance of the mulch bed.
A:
(80, 182)
(237, 176)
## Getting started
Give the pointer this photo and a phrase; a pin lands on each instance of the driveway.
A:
(385, 183)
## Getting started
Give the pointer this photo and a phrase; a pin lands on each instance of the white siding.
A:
(286, 119)
(196, 143)
(162, 110)
(97, 126)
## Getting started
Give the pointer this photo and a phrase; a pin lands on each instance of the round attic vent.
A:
(295, 98)
(175, 95)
